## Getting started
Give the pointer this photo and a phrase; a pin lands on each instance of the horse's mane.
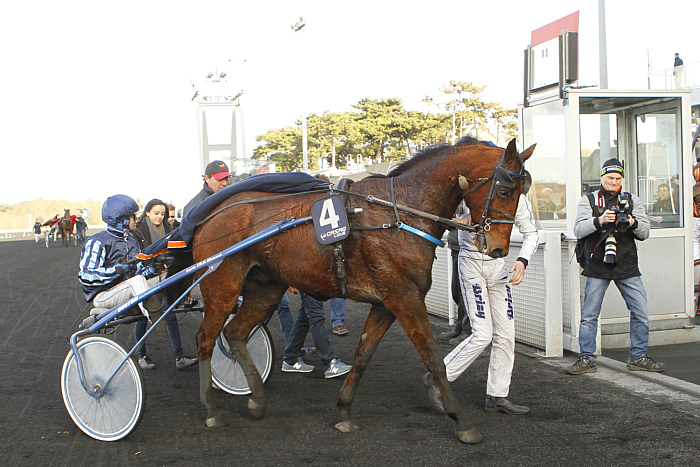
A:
(430, 153)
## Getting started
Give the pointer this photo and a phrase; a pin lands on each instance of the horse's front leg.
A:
(414, 320)
(378, 322)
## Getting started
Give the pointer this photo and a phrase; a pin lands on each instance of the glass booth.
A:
(650, 132)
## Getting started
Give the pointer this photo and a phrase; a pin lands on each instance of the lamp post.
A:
(296, 27)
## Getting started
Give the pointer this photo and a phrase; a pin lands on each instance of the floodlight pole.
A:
(603, 57)
(602, 46)
(296, 27)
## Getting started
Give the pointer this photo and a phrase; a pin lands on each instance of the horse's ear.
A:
(511, 150)
(528, 152)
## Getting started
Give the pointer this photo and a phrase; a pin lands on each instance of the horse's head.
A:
(495, 182)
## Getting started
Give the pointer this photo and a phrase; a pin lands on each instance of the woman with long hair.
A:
(153, 225)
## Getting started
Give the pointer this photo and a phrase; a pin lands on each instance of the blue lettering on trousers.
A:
(509, 301)
(479, 301)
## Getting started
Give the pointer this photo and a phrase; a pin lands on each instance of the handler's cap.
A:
(613, 165)
(218, 170)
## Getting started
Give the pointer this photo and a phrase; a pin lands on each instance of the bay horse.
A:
(65, 227)
(385, 267)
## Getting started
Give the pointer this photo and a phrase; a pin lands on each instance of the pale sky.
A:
(96, 96)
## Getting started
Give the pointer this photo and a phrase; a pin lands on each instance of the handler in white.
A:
(488, 298)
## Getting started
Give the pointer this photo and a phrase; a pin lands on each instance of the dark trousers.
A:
(462, 324)
(311, 317)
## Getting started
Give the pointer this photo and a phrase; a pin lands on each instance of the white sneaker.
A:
(298, 367)
(336, 368)
(146, 363)
(184, 362)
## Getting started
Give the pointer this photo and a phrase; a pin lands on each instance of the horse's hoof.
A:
(471, 436)
(216, 421)
(347, 426)
(255, 409)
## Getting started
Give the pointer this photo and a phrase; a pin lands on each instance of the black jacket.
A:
(144, 235)
(199, 197)
(587, 226)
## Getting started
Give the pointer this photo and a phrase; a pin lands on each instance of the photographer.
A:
(610, 221)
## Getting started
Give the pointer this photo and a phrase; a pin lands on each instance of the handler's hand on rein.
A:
(518, 269)
(466, 220)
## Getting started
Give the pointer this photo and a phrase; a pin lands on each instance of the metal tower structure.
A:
(220, 125)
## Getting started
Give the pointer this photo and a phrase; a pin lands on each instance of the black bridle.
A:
(500, 177)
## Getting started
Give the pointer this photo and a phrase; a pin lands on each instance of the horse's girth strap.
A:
(339, 256)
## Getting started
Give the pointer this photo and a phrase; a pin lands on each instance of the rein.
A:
(499, 177)
(370, 199)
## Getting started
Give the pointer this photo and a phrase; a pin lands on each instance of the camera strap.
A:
(601, 204)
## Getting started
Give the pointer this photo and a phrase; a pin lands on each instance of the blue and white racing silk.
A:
(99, 258)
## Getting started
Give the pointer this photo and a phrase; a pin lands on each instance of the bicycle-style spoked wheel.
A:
(227, 372)
(118, 412)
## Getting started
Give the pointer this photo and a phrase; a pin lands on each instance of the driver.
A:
(107, 275)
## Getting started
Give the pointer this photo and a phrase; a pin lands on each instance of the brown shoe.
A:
(340, 330)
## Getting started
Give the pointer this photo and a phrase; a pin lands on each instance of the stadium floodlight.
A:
(298, 25)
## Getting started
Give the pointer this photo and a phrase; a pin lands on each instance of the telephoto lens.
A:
(610, 250)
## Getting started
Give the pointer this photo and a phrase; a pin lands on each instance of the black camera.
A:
(621, 211)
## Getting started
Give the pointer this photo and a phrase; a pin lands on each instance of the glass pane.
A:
(545, 125)
(658, 166)
(598, 144)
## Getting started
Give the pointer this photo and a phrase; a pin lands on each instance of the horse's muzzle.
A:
(497, 253)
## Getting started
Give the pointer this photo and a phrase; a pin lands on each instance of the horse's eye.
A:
(504, 193)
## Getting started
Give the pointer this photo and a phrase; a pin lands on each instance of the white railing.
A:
(15, 233)
(664, 79)
(11, 233)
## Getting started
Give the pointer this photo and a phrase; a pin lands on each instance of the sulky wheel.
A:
(228, 374)
(118, 411)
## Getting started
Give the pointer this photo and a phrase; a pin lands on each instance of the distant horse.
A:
(386, 267)
(65, 227)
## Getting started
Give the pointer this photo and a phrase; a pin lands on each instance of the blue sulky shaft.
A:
(212, 263)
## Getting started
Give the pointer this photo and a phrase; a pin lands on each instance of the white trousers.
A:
(123, 291)
(489, 303)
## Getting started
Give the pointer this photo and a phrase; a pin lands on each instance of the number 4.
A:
(328, 215)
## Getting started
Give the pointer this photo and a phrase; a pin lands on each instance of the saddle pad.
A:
(285, 182)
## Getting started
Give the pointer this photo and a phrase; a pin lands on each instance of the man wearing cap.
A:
(599, 225)
(216, 177)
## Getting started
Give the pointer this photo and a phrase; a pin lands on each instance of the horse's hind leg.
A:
(216, 312)
(376, 325)
(417, 326)
(206, 394)
(258, 302)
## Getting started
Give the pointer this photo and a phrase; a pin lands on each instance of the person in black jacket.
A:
(611, 255)
(463, 326)
(151, 226)
(216, 176)
(678, 70)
